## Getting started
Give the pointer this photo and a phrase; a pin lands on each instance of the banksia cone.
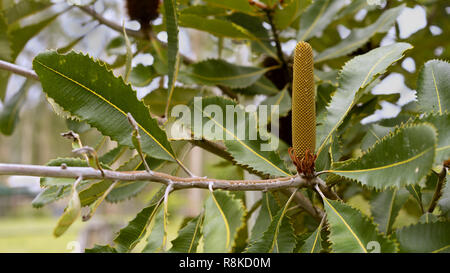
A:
(303, 101)
(143, 11)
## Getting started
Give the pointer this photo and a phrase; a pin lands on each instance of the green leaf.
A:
(100, 249)
(282, 99)
(50, 194)
(216, 27)
(128, 55)
(253, 153)
(23, 9)
(374, 133)
(235, 5)
(155, 240)
(279, 236)
(262, 86)
(357, 74)
(9, 115)
(441, 123)
(218, 72)
(360, 36)
(89, 91)
(71, 213)
(284, 17)
(444, 201)
(142, 75)
(385, 207)
(173, 58)
(157, 99)
(313, 244)
(317, 17)
(406, 157)
(351, 231)
(416, 193)
(123, 190)
(269, 208)
(202, 10)
(132, 234)
(223, 217)
(188, 236)
(421, 238)
(433, 87)
(427, 218)
(254, 30)
(21, 36)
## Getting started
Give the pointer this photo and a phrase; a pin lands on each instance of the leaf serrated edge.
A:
(370, 220)
(104, 65)
(390, 134)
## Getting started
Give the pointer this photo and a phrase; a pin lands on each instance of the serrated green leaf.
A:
(317, 17)
(351, 231)
(385, 207)
(360, 36)
(433, 87)
(89, 91)
(9, 115)
(23, 9)
(155, 240)
(374, 133)
(406, 157)
(223, 217)
(421, 238)
(245, 152)
(188, 236)
(357, 74)
(279, 236)
(441, 123)
(313, 244)
(129, 236)
(269, 208)
(218, 72)
(157, 99)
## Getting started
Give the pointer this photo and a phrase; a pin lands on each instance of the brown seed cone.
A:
(303, 101)
(143, 11)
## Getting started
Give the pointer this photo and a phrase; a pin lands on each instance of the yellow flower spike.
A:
(303, 101)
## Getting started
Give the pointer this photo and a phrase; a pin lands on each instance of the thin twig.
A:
(19, 70)
(438, 191)
(177, 182)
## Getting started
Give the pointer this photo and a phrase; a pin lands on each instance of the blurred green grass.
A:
(34, 235)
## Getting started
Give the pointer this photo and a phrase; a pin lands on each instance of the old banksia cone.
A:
(303, 101)
(143, 11)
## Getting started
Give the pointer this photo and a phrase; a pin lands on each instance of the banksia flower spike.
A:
(303, 110)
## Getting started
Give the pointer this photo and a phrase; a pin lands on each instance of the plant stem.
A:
(438, 191)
